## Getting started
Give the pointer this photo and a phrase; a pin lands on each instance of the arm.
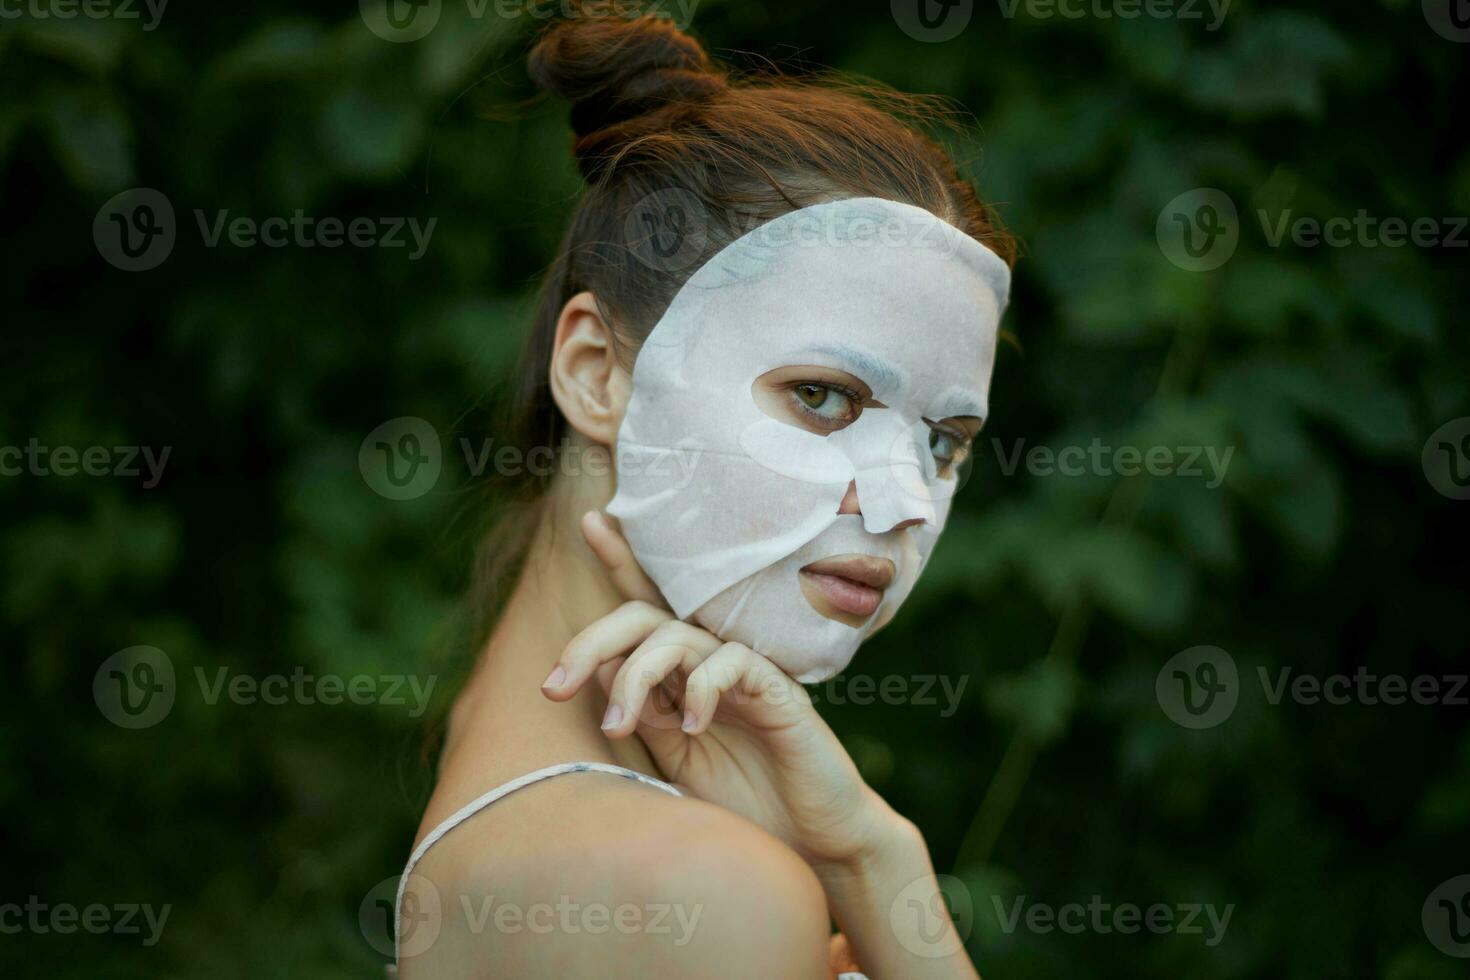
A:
(637, 884)
(738, 732)
(887, 901)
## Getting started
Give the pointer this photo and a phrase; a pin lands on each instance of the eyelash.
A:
(826, 421)
(962, 443)
(962, 440)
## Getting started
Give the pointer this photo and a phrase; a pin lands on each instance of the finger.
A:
(839, 956)
(608, 672)
(658, 723)
(673, 645)
(748, 678)
(614, 635)
(611, 548)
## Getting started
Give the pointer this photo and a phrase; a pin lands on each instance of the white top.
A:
(505, 789)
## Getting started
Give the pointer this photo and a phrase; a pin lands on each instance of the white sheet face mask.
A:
(723, 501)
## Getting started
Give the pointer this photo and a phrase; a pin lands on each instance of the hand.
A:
(721, 720)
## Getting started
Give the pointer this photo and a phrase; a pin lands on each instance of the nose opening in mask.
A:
(893, 497)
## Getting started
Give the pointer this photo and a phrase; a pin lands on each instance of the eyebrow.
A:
(959, 405)
(878, 374)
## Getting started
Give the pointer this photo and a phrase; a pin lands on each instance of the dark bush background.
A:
(1057, 600)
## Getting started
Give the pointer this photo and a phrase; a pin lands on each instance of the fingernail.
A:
(598, 518)
(613, 718)
(690, 722)
(557, 678)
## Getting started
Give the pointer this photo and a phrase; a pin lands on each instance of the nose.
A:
(849, 505)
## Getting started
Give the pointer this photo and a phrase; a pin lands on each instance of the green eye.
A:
(949, 448)
(812, 395)
(826, 402)
(942, 445)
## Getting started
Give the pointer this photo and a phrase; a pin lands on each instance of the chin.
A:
(811, 650)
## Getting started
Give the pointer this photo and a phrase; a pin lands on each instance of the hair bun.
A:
(615, 70)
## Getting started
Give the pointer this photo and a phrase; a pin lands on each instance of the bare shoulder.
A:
(589, 874)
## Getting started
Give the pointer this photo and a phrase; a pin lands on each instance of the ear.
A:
(589, 385)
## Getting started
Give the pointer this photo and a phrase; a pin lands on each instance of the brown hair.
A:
(657, 123)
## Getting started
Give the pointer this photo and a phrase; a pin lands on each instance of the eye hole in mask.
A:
(818, 399)
(823, 400)
(950, 441)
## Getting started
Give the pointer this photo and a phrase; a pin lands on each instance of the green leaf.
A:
(1038, 701)
(1274, 62)
(92, 139)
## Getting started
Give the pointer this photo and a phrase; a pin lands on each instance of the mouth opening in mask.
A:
(847, 588)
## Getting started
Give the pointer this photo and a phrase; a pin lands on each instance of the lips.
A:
(853, 584)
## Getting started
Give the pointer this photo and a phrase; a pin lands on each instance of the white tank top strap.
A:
(505, 789)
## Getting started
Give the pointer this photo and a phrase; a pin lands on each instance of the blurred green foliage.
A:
(1056, 599)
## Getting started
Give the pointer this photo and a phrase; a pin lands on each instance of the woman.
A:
(764, 347)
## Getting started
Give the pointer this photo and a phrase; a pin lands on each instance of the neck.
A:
(501, 726)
